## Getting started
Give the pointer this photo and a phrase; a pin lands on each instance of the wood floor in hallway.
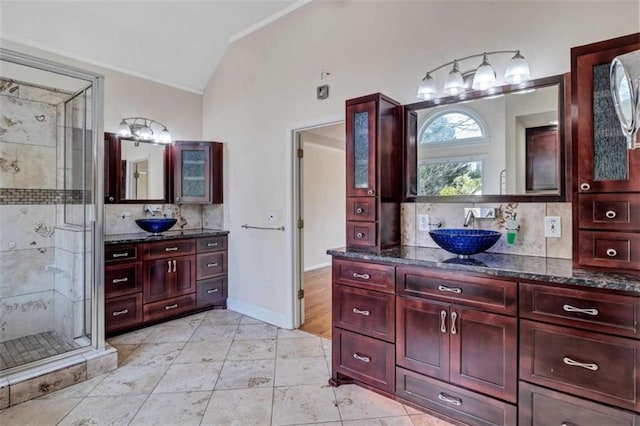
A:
(317, 302)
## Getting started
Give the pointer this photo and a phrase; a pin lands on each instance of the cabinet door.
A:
(361, 149)
(184, 275)
(484, 352)
(197, 172)
(604, 164)
(157, 279)
(422, 336)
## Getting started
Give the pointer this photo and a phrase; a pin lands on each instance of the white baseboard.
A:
(259, 313)
(319, 266)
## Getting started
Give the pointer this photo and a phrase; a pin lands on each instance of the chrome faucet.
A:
(152, 209)
(468, 217)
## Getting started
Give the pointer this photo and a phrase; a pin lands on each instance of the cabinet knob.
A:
(612, 252)
(177, 200)
(359, 210)
(585, 186)
(360, 235)
(111, 199)
(370, 192)
(610, 214)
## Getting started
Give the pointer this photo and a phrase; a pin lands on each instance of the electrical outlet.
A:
(552, 227)
(272, 217)
(423, 222)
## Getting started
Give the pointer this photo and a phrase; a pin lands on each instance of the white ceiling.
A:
(175, 42)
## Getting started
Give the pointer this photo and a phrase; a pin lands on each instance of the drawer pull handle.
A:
(454, 316)
(569, 361)
(358, 311)
(588, 311)
(120, 255)
(567, 424)
(360, 235)
(612, 252)
(212, 265)
(119, 280)
(359, 210)
(449, 399)
(450, 289)
(610, 214)
(171, 249)
(122, 312)
(212, 244)
(213, 290)
(168, 307)
(174, 266)
(443, 321)
(361, 358)
(585, 186)
(363, 276)
(169, 264)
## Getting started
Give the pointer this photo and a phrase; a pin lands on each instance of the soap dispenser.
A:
(512, 228)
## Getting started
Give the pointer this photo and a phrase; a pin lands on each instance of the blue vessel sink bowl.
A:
(156, 225)
(465, 242)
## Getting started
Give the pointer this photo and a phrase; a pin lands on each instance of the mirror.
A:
(136, 172)
(480, 146)
(625, 89)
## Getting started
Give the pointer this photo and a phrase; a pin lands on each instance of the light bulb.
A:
(427, 89)
(144, 132)
(124, 130)
(164, 137)
(484, 77)
(517, 71)
(454, 85)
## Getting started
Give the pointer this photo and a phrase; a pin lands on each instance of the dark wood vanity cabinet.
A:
(122, 287)
(607, 174)
(373, 171)
(197, 172)
(211, 271)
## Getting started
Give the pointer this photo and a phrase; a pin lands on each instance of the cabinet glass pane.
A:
(361, 149)
(193, 175)
(609, 143)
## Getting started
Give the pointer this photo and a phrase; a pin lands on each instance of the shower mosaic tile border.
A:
(18, 196)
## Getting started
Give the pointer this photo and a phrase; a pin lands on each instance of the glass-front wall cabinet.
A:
(197, 172)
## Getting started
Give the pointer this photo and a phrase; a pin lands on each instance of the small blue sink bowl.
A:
(156, 225)
(465, 242)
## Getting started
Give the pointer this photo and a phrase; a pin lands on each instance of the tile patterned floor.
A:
(32, 348)
(216, 368)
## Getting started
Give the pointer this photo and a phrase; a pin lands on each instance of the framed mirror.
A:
(136, 172)
(507, 145)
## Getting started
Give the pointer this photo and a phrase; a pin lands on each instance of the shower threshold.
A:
(24, 350)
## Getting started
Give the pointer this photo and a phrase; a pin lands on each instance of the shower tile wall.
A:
(28, 204)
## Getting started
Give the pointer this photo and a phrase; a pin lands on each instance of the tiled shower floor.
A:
(32, 348)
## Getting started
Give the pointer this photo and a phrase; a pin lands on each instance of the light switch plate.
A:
(552, 227)
(423, 222)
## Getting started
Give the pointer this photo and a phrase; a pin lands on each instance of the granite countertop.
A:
(558, 271)
(139, 237)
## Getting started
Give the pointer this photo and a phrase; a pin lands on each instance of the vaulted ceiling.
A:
(176, 42)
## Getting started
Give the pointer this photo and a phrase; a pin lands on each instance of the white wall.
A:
(265, 86)
(324, 192)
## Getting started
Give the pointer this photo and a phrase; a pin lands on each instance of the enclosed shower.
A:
(50, 237)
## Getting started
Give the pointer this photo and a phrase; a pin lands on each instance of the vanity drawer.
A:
(207, 244)
(121, 312)
(212, 291)
(596, 366)
(120, 253)
(361, 209)
(607, 313)
(618, 250)
(169, 307)
(544, 407)
(361, 234)
(371, 276)
(211, 264)
(368, 360)
(160, 249)
(468, 407)
(367, 312)
(122, 279)
(489, 294)
(610, 211)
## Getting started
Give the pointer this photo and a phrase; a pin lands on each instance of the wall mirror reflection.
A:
(137, 171)
(486, 147)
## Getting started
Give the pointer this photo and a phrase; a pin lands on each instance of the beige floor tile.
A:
(79, 390)
(124, 350)
(170, 334)
(131, 379)
(387, 421)
(246, 374)
(239, 407)
(154, 353)
(304, 404)
(248, 320)
(256, 331)
(137, 336)
(213, 333)
(222, 317)
(356, 403)
(283, 333)
(301, 371)
(308, 347)
(104, 410)
(189, 377)
(191, 321)
(179, 408)
(427, 420)
(38, 412)
(252, 349)
(194, 352)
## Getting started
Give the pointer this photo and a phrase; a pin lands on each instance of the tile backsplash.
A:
(530, 239)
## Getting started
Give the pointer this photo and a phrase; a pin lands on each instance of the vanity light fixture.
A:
(484, 77)
(140, 129)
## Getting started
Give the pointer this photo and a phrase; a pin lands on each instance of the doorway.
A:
(320, 192)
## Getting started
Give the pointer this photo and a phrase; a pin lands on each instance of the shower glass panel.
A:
(47, 203)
